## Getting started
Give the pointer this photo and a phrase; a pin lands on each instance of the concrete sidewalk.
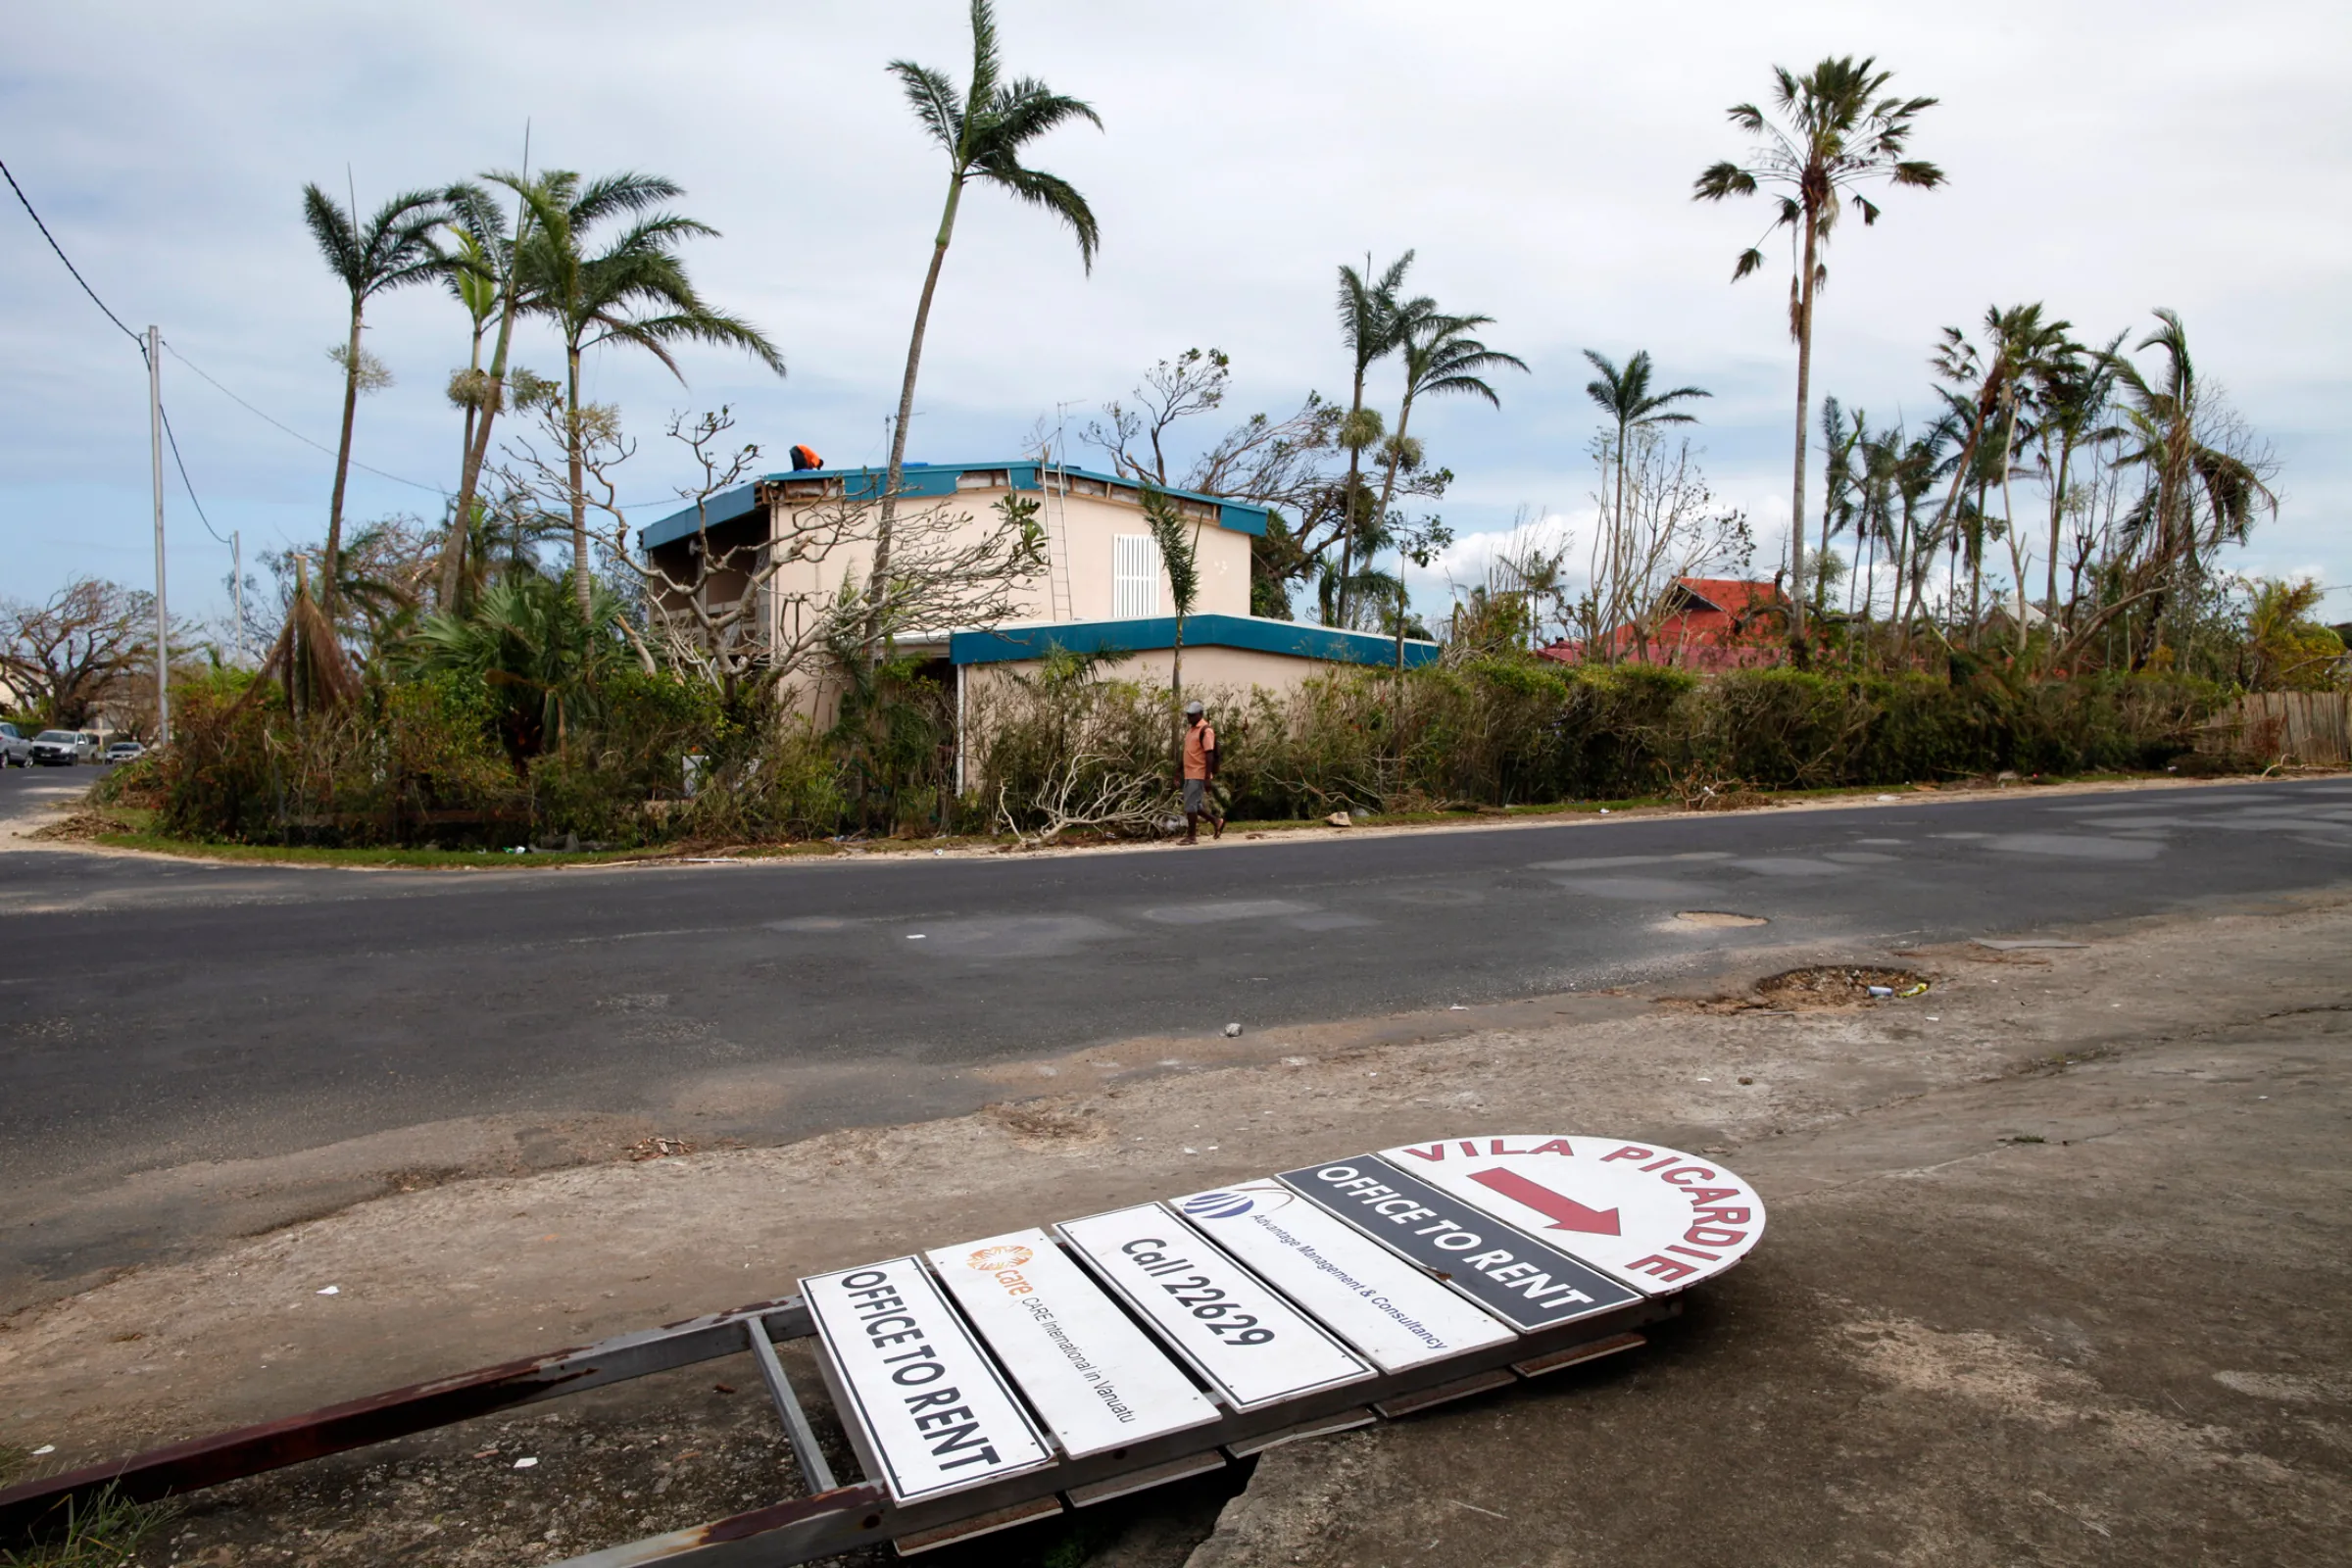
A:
(2057, 1272)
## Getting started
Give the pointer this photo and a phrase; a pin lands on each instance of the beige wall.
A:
(1206, 669)
(1080, 527)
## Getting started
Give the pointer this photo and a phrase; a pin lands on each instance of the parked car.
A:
(15, 750)
(63, 747)
(126, 751)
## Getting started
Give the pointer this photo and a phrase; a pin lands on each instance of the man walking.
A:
(1199, 767)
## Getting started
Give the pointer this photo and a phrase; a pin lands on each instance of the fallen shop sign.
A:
(1001, 1380)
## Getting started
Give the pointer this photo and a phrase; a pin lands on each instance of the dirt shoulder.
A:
(2056, 1271)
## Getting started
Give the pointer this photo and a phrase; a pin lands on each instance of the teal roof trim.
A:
(1327, 644)
(927, 481)
(728, 506)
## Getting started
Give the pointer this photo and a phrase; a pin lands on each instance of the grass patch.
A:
(104, 1531)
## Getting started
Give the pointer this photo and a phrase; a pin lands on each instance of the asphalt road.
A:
(157, 1013)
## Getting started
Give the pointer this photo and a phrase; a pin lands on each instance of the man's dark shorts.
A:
(1195, 794)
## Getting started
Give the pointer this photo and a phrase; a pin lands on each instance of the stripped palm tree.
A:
(1840, 439)
(633, 292)
(1836, 136)
(391, 251)
(2071, 389)
(982, 131)
(2199, 497)
(1626, 398)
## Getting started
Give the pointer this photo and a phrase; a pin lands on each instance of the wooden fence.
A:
(2284, 726)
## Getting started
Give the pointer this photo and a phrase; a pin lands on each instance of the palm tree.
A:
(392, 250)
(2072, 392)
(488, 248)
(1179, 556)
(983, 135)
(636, 292)
(2199, 496)
(1373, 322)
(1836, 136)
(1441, 359)
(1626, 398)
(1839, 439)
(533, 646)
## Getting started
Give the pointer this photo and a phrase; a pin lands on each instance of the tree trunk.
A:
(1356, 460)
(460, 523)
(2066, 461)
(878, 576)
(1176, 698)
(579, 496)
(2017, 563)
(1804, 404)
(1975, 565)
(332, 563)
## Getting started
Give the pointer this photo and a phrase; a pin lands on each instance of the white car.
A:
(126, 751)
(63, 747)
(15, 750)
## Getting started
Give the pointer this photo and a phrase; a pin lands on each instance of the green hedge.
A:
(419, 760)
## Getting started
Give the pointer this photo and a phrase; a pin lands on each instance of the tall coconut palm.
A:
(1626, 398)
(392, 250)
(1835, 136)
(982, 131)
(1374, 317)
(1441, 359)
(633, 292)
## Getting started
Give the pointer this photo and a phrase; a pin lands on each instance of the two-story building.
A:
(1101, 588)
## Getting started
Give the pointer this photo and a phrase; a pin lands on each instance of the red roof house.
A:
(1707, 625)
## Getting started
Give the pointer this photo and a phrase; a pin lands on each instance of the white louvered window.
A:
(1134, 577)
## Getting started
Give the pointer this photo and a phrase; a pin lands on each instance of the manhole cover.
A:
(1838, 984)
(1717, 917)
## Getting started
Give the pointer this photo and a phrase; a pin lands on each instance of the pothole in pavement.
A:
(1717, 919)
(1837, 985)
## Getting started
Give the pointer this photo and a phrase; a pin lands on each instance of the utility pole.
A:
(236, 585)
(163, 622)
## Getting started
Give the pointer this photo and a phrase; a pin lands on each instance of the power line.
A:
(181, 464)
(173, 350)
(69, 261)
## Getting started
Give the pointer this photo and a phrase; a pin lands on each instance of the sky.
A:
(2103, 158)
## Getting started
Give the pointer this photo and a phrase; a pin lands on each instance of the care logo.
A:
(1219, 1206)
(989, 1259)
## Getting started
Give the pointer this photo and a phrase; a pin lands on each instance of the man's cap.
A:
(1193, 707)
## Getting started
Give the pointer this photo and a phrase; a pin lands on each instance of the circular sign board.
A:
(1654, 1217)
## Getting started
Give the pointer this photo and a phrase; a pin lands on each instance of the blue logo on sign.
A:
(1219, 1206)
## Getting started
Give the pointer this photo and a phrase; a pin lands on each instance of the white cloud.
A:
(1540, 157)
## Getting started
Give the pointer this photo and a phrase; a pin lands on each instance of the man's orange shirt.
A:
(1199, 741)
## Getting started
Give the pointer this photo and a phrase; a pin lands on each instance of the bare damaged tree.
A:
(1134, 434)
(766, 608)
(67, 654)
(1657, 521)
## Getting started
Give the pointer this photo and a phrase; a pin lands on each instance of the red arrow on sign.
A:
(1565, 1213)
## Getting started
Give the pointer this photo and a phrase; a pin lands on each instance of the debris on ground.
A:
(1340, 819)
(659, 1148)
(1233, 1031)
(82, 827)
